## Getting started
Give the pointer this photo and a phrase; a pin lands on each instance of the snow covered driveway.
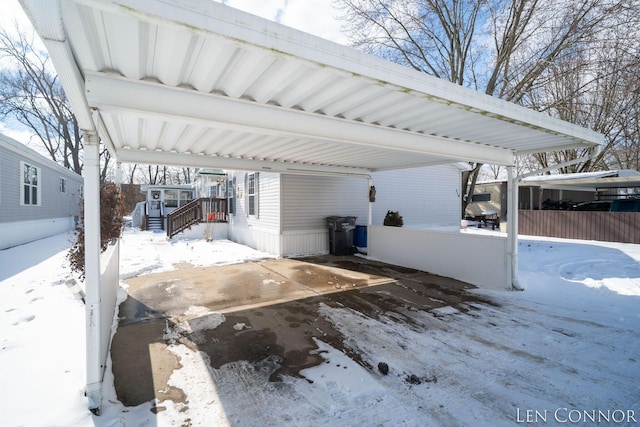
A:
(455, 356)
(564, 350)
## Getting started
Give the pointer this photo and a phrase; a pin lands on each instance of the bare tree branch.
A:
(31, 94)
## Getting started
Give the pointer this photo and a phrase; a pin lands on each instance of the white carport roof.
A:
(587, 181)
(194, 82)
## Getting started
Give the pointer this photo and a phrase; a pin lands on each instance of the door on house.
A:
(154, 204)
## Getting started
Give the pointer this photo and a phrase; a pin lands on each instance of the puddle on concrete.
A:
(282, 333)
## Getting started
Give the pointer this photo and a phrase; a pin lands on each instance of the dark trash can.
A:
(360, 236)
(341, 234)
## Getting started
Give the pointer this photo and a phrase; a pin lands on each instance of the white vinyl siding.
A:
(266, 213)
(51, 202)
(308, 200)
(268, 206)
(260, 230)
(425, 196)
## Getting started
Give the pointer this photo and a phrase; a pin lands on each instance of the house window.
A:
(63, 185)
(171, 198)
(30, 186)
(482, 197)
(185, 197)
(231, 185)
(252, 194)
(213, 191)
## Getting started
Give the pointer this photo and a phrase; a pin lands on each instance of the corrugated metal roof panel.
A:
(359, 111)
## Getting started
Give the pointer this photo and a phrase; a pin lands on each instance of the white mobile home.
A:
(161, 200)
(38, 197)
(285, 214)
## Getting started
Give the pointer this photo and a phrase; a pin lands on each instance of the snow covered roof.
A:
(583, 175)
(145, 188)
(589, 181)
(197, 83)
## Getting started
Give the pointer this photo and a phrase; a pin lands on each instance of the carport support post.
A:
(92, 267)
(512, 228)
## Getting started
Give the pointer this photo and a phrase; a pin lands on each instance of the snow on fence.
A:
(473, 258)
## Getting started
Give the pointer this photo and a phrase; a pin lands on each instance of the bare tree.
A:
(31, 93)
(598, 89)
(186, 174)
(130, 170)
(158, 174)
(153, 175)
(502, 47)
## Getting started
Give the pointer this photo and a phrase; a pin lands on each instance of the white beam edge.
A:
(194, 160)
(114, 92)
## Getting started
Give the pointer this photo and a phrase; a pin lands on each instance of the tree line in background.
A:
(576, 60)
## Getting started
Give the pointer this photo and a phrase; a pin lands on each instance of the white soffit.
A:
(194, 82)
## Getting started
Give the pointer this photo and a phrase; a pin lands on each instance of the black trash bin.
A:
(341, 234)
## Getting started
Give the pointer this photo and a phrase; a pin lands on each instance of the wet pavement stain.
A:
(136, 378)
(283, 332)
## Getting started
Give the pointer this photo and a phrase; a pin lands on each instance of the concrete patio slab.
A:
(233, 287)
(263, 313)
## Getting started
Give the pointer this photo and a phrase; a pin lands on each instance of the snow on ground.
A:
(568, 344)
(146, 252)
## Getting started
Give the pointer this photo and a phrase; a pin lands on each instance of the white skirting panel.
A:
(476, 259)
(288, 244)
(258, 239)
(21, 232)
(219, 230)
(305, 242)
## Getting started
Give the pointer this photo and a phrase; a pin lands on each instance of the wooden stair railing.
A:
(198, 210)
(183, 217)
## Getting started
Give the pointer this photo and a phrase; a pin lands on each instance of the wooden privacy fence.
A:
(623, 227)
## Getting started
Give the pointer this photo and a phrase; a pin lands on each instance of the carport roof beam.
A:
(114, 93)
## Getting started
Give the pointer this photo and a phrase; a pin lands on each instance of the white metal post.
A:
(91, 167)
(512, 228)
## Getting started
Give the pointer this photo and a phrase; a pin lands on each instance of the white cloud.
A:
(19, 135)
(267, 9)
(11, 13)
(317, 17)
